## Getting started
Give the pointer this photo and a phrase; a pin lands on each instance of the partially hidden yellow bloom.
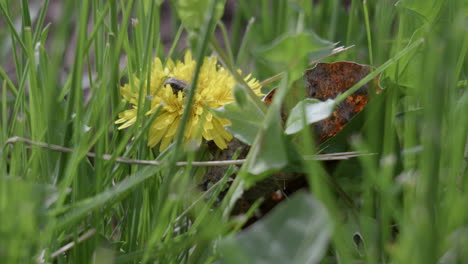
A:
(214, 89)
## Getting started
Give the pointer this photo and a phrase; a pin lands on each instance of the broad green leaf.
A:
(429, 10)
(294, 51)
(269, 150)
(296, 231)
(240, 96)
(192, 12)
(314, 110)
(245, 120)
(292, 47)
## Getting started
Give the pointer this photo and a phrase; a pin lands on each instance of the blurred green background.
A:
(61, 66)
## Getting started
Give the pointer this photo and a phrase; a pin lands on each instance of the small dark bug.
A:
(176, 85)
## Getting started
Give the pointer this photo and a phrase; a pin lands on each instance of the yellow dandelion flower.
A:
(168, 88)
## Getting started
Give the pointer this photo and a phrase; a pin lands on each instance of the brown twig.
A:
(68, 246)
(332, 156)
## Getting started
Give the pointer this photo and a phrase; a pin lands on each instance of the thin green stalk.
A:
(334, 19)
(169, 207)
(227, 43)
(316, 177)
(147, 54)
(377, 71)
(175, 41)
(12, 26)
(243, 84)
(351, 23)
(19, 100)
(266, 18)
(15, 37)
(8, 82)
(4, 124)
(99, 19)
(35, 102)
(40, 21)
(205, 36)
(245, 40)
(75, 105)
(368, 32)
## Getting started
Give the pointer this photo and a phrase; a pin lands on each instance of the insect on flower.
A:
(167, 87)
(177, 85)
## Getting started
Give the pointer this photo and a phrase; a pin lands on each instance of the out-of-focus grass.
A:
(409, 199)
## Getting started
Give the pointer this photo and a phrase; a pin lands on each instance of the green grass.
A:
(60, 84)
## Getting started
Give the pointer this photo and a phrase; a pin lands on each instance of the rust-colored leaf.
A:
(327, 81)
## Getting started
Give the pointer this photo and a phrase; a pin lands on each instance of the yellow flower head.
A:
(168, 88)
